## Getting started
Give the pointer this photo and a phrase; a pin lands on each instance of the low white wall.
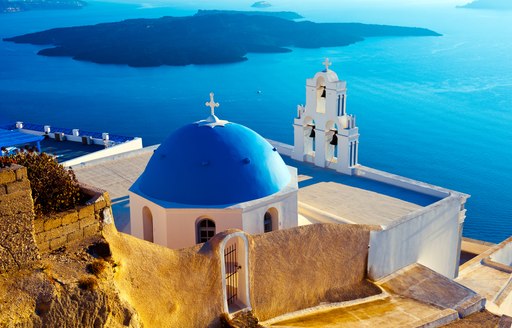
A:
(385, 177)
(503, 255)
(402, 182)
(114, 150)
(429, 236)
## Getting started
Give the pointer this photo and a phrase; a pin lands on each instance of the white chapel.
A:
(210, 176)
(214, 175)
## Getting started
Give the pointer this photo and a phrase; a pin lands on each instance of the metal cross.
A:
(212, 104)
(326, 63)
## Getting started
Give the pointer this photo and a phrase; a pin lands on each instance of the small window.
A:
(267, 222)
(205, 231)
(147, 224)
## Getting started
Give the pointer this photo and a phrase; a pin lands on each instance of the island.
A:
(281, 14)
(261, 4)
(489, 4)
(12, 6)
(201, 39)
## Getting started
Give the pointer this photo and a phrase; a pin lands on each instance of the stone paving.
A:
(391, 311)
(354, 204)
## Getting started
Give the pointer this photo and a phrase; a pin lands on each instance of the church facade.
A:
(210, 176)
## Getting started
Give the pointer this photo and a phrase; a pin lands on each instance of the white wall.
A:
(114, 150)
(182, 223)
(503, 255)
(286, 206)
(137, 203)
(402, 182)
(429, 236)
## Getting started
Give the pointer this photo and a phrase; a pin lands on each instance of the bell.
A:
(334, 140)
(323, 93)
(312, 134)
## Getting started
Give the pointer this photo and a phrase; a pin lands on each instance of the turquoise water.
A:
(437, 109)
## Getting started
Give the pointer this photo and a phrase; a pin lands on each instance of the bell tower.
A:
(324, 134)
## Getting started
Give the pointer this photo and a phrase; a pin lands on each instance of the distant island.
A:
(280, 14)
(201, 39)
(489, 4)
(261, 4)
(12, 6)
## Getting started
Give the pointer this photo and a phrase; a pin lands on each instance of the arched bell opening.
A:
(309, 136)
(234, 251)
(321, 94)
(147, 224)
(331, 142)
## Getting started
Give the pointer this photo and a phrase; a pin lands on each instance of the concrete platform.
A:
(359, 200)
(427, 286)
(116, 174)
(390, 311)
(413, 297)
(355, 205)
(490, 279)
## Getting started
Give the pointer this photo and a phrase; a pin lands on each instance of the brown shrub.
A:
(87, 283)
(97, 267)
(54, 188)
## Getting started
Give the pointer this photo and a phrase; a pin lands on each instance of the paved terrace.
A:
(412, 297)
(355, 199)
(491, 279)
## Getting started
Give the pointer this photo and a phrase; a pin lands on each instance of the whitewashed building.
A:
(210, 176)
(214, 175)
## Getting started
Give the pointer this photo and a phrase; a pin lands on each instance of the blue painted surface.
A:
(200, 165)
(14, 138)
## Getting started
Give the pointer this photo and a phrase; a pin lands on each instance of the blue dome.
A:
(201, 165)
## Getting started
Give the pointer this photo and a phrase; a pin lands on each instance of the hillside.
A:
(201, 39)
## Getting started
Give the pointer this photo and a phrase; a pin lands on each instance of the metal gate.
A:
(232, 268)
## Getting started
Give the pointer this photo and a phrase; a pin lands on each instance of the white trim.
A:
(247, 301)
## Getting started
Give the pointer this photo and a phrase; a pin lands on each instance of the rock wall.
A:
(18, 249)
(167, 287)
(289, 270)
(71, 226)
(302, 267)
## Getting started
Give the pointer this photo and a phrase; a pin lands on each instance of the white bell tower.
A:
(324, 134)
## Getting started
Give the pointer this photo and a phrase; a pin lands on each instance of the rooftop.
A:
(66, 150)
(490, 275)
(355, 205)
(368, 201)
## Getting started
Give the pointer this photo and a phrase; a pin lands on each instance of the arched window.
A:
(267, 222)
(205, 230)
(271, 220)
(147, 224)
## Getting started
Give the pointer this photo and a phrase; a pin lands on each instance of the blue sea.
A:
(437, 109)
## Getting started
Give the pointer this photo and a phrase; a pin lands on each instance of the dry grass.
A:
(97, 267)
(87, 283)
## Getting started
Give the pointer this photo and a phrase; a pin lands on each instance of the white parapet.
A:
(127, 146)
